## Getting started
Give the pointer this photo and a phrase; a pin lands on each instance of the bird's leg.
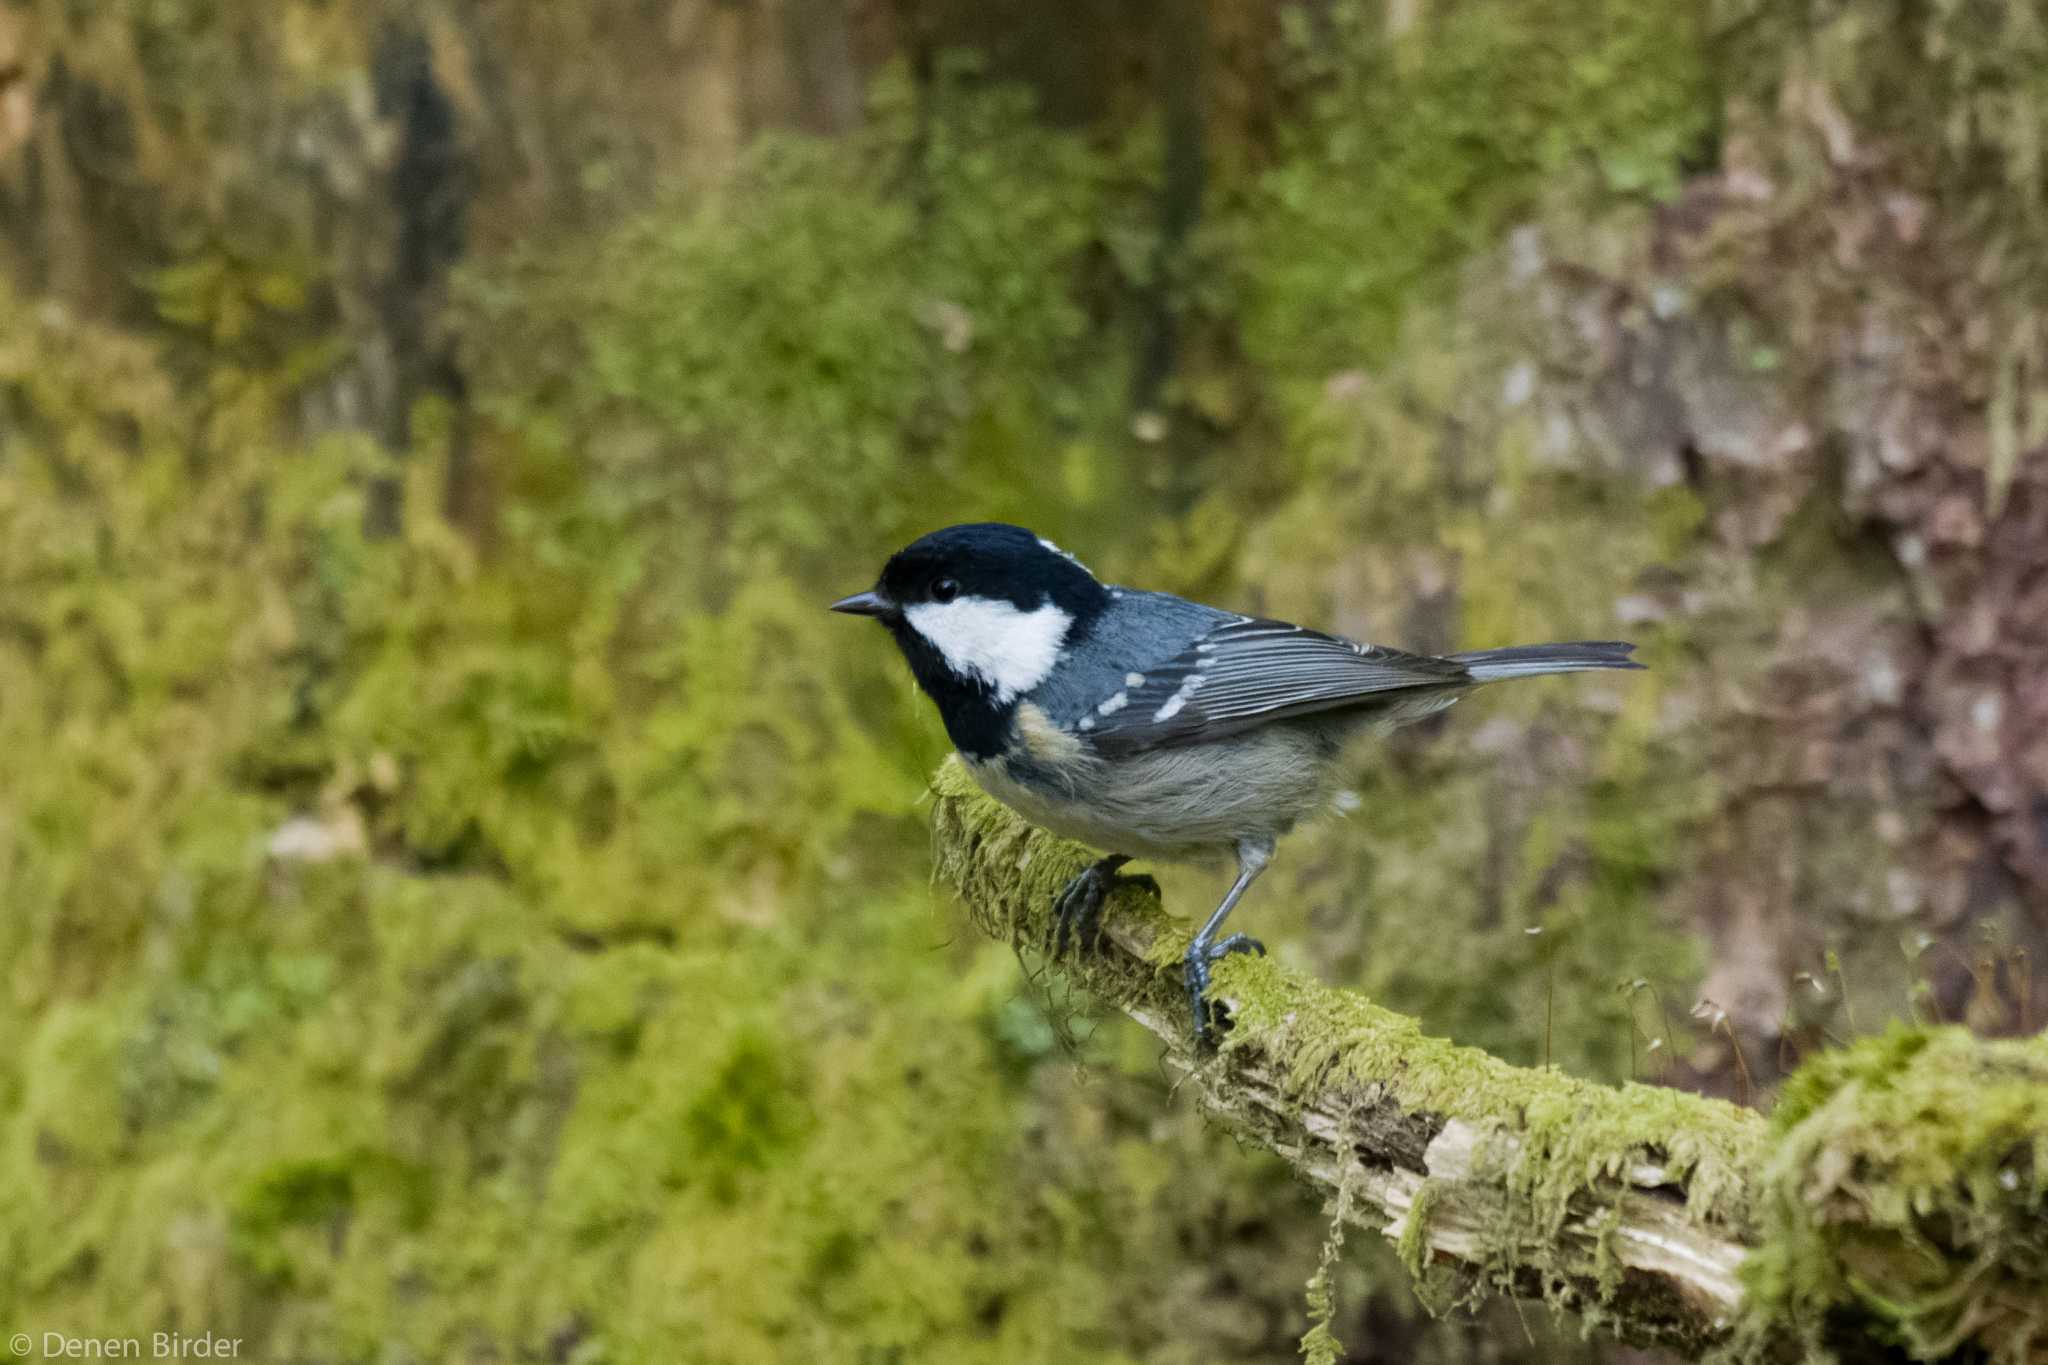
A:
(1206, 950)
(1080, 905)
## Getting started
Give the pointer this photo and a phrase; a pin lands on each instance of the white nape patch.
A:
(1010, 650)
(1115, 704)
(1048, 545)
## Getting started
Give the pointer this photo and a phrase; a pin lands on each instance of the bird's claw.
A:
(1201, 957)
(1078, 910)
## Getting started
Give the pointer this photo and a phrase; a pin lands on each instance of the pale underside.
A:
(1186, 803)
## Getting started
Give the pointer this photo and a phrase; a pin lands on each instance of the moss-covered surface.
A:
(1897, 1197)
(1907, 1189)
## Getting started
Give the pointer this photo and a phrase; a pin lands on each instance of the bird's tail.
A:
(1528, 661)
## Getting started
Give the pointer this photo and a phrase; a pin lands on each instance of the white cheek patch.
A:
(1012, 651)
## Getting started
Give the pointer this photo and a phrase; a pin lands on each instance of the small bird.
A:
(1146, 725)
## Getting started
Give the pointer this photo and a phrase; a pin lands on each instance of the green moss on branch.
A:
(1908, 1184)
(1895, 1207)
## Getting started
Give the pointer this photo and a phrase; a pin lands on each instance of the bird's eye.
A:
(945, 590)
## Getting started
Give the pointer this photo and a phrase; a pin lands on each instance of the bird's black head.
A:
(981, 612)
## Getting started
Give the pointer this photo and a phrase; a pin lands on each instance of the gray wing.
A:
(1246, 672)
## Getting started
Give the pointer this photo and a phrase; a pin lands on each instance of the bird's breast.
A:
(1190, 803)
(1040, 739)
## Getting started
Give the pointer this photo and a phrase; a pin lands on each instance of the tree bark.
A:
(1896, 1206)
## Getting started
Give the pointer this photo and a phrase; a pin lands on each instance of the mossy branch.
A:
(1896, 1207)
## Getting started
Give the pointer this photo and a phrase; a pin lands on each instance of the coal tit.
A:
(1145, 725)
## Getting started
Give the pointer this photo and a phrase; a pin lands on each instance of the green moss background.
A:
(500, 928)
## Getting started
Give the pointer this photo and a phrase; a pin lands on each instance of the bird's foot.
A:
(1201, 957)
(1078, 910)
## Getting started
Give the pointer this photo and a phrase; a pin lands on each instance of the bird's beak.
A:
(868, 603)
